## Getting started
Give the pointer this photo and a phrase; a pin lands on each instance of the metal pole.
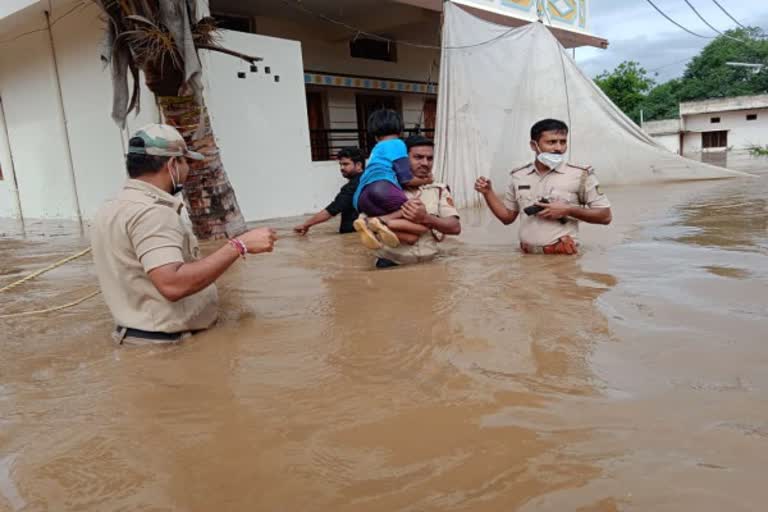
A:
(641, 118)
(7, 137)
(68, 144)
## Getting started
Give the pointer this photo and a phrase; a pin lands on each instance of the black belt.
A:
(150, 335)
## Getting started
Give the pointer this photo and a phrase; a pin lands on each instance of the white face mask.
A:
(177, 186)
(551, 160)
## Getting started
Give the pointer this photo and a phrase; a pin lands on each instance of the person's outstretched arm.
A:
(342, 201)
(504, 214)
(158, 241)
(318, 218)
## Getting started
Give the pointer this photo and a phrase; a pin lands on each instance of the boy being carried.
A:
(379, 196)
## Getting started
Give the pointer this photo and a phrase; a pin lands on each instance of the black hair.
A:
(353, 154)
(547, 125)
(385, 122)
(139, 165)
(415, 141)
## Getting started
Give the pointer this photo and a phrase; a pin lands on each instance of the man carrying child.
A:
(429, 206)
(380, 196)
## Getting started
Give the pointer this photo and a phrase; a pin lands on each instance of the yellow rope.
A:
(44, 270)
(51, 310)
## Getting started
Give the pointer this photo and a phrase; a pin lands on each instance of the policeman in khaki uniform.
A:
(552, 194)
(152, 278)
(429, 205)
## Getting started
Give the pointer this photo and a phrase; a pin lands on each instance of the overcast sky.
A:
(635, 31)
(9, 6)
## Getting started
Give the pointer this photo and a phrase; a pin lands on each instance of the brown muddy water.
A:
(633, 377)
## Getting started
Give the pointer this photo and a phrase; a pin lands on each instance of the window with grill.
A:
(751, 117)
(714, 120)
(717, 139)
(376, 49)
(233, 22)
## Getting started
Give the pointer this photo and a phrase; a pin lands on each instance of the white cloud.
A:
(635, 31)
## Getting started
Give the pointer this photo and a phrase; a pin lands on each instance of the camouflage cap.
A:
(162, 140)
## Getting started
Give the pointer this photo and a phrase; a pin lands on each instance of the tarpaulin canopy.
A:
(497, 81)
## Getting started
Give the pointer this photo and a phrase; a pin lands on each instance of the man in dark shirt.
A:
(352, 164)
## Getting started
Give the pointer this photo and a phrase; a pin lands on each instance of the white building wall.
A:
(27, 86)
(98, 144)
(691, 143)
(265, 145)
(261, 127)
(35, 118)
(741, 133)
(669, 141)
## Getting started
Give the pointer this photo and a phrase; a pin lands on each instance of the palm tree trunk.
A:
(210, 197)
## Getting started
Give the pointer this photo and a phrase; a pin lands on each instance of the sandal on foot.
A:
(367, 238)
(385, 234)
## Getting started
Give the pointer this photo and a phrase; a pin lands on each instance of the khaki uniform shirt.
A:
(527, 186)
(136, 232)
(438, 202)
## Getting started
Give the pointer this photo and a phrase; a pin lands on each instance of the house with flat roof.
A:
(716, 124)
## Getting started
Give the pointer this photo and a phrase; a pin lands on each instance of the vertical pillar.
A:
(65, 126)
(7, 141)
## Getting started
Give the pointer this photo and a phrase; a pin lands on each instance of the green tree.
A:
(708, 75)
(627, 86)
(663, 101)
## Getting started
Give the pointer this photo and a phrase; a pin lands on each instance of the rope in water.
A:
(44, 270)
(41, 272)
(53, 309)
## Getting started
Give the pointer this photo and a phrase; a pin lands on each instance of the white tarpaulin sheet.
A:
(497, 81)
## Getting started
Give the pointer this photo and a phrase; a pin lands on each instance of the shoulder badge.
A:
(587, 168)
(521, 168)
(165, 202)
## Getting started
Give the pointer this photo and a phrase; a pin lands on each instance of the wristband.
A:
(239, 246)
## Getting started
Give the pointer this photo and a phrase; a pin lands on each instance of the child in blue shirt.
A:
(380, 193)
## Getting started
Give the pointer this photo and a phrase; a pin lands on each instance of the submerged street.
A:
(629, 378)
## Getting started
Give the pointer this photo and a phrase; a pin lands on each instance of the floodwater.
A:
(631, 378)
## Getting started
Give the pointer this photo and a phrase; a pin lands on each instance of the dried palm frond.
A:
(206, 32)
(161, 37)
(152, 45)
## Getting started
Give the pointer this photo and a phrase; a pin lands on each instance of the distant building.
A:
(714, 125)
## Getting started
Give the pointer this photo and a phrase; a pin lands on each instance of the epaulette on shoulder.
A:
(170, 204)
(582, 167)
(522, 167)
